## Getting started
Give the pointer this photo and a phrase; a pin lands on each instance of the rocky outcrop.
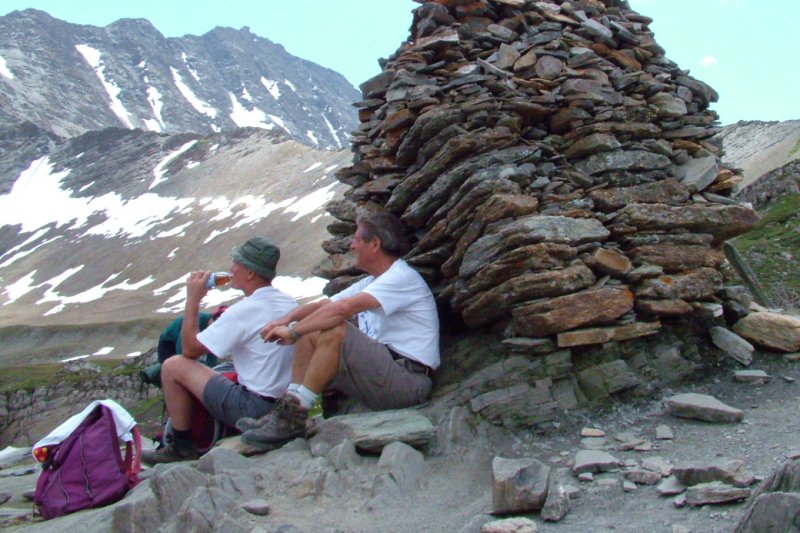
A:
(26, 415)
(69, 79)
(557, 171)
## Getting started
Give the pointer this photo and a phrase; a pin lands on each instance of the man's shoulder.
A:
(271, 294)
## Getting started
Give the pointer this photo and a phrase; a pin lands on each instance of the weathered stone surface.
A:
(583, 337)
(671, 307)
(702, 407)
(520, 405)
(670, 487)
(776, 502)
(611, 262)
(732, 344)
(599, 381)
(771, 511)
(667, 192)
(594, 461)
(372, 431)
(518, 485)
(668, 105)
(642, 477)
(700, 284)
(758, 377)
(732, 472)
(533, 257)
(557, 504)
(633, 160)
(530, 230)
(715, 493)
(507, 125)
(678, 258)
(403, 463)
(658, 464)
(700, 172)
(773, 330)
(567, 312)
(596, 142)
(257, 507)
(516, 524)
(496, 303)
(664, 432)
(722, 222)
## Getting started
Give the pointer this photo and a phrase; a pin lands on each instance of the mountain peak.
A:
(72, 78)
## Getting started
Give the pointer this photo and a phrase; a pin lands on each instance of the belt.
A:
(410, 364)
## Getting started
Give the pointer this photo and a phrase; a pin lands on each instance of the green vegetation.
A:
(29, 377)
(772, 250)
(795, 149)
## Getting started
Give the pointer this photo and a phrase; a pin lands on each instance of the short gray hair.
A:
(386, 227)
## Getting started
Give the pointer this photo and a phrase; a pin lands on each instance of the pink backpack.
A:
(87, 469)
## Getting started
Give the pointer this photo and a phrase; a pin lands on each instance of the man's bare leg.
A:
(303, 351)
(182, 379)
(324, 363)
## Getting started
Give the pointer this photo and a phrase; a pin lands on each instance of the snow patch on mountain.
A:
(199, 105)
(243, 117)
(272, 87)
(6, 72)
(154, 99)
(159, 171)
(94, 58)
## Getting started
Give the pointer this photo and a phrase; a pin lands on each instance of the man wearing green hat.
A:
(263, 369)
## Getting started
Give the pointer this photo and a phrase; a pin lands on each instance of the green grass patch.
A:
(29, 377)
(796, 149)
(772, 250)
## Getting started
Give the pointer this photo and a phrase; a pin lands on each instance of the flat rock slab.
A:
(372, 431)
(594, 461)
(702, 407)
(510, 525)
(732, 344)
(715, 493)
(758, 377)
(731, 472)
(773, 330)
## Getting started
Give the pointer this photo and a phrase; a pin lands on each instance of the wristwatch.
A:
(292, 331)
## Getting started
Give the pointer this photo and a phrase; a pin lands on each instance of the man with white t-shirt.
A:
(386, 362)
(263, 369)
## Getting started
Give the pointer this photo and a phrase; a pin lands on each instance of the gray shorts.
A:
(369, 373)
(228, 401)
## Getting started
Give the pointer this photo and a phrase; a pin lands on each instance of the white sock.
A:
(293, 388)
(307, 397)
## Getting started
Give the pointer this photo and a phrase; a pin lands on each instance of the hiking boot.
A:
(285, 422)
(247, 422)
(169, 454)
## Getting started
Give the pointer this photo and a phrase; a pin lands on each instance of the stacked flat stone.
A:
(556, 170)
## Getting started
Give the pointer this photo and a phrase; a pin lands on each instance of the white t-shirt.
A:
(406, 320)
(265, 368)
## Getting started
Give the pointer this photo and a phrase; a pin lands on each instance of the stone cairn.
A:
(557, 173)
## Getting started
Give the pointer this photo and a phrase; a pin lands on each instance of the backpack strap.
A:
(133, 456)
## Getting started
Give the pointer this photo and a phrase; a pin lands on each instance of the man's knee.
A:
(333, 335)
(178, 366)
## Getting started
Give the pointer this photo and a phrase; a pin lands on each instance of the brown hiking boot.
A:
(247, 422)
(286, 421)
(169, 454)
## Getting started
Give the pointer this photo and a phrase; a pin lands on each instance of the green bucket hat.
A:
(259, 255)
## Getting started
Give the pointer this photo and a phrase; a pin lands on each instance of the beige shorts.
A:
(369, 373)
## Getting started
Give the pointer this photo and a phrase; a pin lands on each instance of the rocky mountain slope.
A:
(760, 147)
(103, 227)
(69, 79)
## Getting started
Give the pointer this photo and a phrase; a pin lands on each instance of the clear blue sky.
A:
(745, 49)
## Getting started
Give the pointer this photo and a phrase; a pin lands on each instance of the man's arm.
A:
(325, 316)
(195, 291)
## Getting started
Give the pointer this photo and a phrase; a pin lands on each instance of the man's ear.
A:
(375, 244)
